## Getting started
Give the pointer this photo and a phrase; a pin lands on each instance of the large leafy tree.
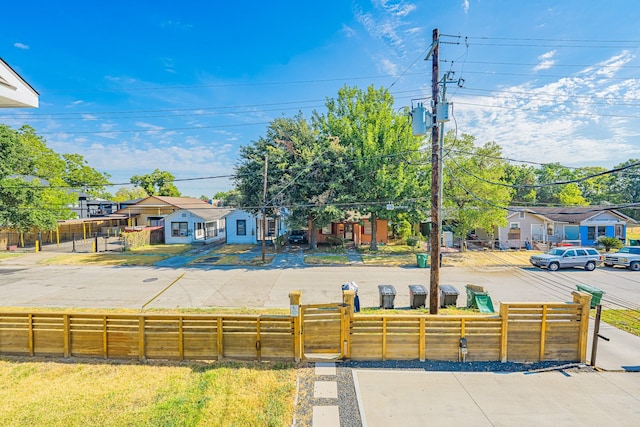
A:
(523, 180)
(385, 157)
(304, 173)
(475, 187)
(157, 183)
(625, 188)
(124, 194)
(34, 191)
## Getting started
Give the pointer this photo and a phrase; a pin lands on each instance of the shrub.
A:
(609, 242)
(412, 241)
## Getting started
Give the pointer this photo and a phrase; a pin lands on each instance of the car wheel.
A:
(635, 266)
(554, 266)
(590, 266)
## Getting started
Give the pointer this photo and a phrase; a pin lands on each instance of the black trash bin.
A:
(448, 296)
(387, 295)
(417, 296)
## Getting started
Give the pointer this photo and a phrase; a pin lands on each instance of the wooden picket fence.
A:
(521, 332)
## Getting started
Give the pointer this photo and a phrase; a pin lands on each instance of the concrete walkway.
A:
(415, 398)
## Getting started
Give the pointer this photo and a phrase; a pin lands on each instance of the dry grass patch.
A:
(390, 260)
(487, 258)
(326, 259)
(237, 261)
(220, 394)
(233, 249)
(118, 258)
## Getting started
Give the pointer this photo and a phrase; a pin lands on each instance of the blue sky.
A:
(139, 85)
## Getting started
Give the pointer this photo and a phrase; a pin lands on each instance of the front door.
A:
(537, 232)
(348, 232)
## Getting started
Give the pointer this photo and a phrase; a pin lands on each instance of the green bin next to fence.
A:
(596, 294)
(423, 260)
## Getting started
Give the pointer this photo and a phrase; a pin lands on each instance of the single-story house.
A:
(185, 219)
(246, 228)
(543, 227)
(354, 230)
(195, 226)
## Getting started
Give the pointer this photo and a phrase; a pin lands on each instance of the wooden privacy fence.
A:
(521, 332)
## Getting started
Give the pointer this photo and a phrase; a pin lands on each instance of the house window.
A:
(571, 232)
(596, 231)
(521, 216)
(326, 229)
(271, 227)
(212, 229)
(241, 227)
(179, 229)
(366, 229)
(154, 221)
(514, 231)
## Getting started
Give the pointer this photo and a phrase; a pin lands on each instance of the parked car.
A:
(628, 257)
(298, 236)
(568, 257)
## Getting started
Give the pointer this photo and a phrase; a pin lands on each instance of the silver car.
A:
(568, 257)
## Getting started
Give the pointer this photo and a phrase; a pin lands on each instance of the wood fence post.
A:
(504, 334)
(543, 332)
(67, 338)
(141, 350)
(348, 298)
(584, 299)
(294, 312)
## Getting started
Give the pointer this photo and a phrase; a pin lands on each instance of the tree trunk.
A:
(313, 244)
(374, 232)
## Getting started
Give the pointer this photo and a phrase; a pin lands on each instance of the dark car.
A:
(298, 236)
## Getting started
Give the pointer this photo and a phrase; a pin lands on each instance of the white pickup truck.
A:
(628, 256)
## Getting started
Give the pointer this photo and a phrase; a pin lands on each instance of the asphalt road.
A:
(23, 284)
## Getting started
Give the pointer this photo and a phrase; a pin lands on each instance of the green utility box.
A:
(596, 294)
(423, 260)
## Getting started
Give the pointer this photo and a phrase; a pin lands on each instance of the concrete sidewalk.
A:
(418, 398)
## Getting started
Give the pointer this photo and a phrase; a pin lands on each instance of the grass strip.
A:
(94, 394)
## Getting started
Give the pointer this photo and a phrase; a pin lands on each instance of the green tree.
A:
(385, 157)
(157, 183)
(570, 195)
(475, 189)
(78, 174)
(304, 174)
(33, 192)
(626, 188)
(123, 194)
(230, 198)
(523, 180)
(549, 174)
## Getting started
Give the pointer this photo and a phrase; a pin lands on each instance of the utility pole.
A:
(434, 284)
(264, 208)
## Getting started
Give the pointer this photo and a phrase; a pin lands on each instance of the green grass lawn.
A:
(187, 394)
(627, 320)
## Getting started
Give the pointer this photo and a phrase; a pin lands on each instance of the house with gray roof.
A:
(543, 227)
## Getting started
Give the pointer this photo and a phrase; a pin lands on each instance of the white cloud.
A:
(576, 120)
(388, 67)
(465, 6)
(546, 61)
(21, 46)
(348, 31)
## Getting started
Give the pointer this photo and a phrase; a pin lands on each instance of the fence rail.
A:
(520, 333)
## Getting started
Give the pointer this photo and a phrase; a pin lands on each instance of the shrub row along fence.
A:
(521, 332)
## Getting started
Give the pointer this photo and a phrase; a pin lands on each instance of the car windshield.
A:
(628, 250)
(297, 233)
(556, 251)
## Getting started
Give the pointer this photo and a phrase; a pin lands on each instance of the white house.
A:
(542, 227)
(195, 226)
(15, 92)
(246, 228)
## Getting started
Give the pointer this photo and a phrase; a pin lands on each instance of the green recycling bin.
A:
(423, 260)
(472, 291)
(596, 294)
